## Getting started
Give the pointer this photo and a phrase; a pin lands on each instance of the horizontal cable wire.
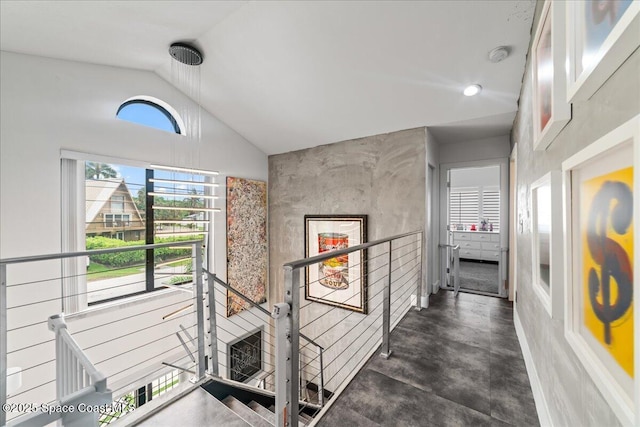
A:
(361, 347)
(409, 289)
(160, 275)
(30, 346)
(366, 261)
(409, 269)
(235, 335)
(249, 311)
(143, 345)
(345, 318)
(31, 367)
(242, 327)
(133, 315)
(393, 248)
(116, 391)
(335, 308)
(151, 358)
(403, 265)
(27, 326)
(337, 323)
(336, 290)
(401, 288)
(404, 255)
(263, 361)
(136, 331)
(33, 388)
(324, 277)
(348, 332)
(302, 368)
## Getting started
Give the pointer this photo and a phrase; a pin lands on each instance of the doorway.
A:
(474, 219)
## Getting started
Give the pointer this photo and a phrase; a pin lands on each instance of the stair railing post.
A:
(386, 309)
(213, 331)
(197, 255)
(321, 386)
(456, 269)
(280, 314)
(3, 341)
(419, 288)
(292, 297)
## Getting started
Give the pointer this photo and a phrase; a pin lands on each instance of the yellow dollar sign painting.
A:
(607, 239)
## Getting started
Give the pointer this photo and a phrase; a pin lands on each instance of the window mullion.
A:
(150, 230)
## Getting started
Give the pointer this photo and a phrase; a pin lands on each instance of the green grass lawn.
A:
(98, 271)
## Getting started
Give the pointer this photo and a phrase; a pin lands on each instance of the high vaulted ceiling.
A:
(289, 75)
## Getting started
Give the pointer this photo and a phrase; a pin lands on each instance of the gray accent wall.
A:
(571, 396)
(382, 176)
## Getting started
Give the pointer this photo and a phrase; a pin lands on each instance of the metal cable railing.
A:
(247, 339)
(350, 316)
(138, 330)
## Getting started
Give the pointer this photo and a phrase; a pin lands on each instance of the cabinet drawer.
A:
(481, 237)
(490, 246)
(469, 245)
(460, 236)
(491, 255)
(470, 253)
(495, 238)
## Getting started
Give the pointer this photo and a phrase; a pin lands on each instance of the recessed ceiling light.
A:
(472, 90)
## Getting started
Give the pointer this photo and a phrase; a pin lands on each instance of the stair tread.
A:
(301, 423)
(246, 413)
(197, 408)
(261, 410)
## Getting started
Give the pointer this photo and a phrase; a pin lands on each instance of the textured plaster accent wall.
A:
(382, 176)
(571, 395)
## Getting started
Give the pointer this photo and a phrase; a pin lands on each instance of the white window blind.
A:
(491, 208)
(469, 206)
(463, 207)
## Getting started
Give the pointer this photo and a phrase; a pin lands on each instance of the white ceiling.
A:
(295, 74)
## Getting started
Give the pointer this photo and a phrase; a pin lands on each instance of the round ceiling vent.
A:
(498, 54)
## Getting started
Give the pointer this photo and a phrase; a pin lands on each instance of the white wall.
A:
(432, 254)
(51, 105)
(476, 177)
(480, 149)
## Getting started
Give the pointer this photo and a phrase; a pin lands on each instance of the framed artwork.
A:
(601, 211)
(340, 281)
(246, 242)
(547, 246)
(551, 112)
(245, 356)
(601, 36)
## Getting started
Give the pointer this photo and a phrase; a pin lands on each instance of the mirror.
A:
(542, 227)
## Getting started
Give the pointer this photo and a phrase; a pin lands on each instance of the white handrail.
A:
(74, 371)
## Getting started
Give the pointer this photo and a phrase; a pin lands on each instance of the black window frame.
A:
(158, 107)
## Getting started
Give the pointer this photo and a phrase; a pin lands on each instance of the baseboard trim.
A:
(544, 417)
(424, 301)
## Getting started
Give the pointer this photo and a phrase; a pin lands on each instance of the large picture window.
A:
(123, 205)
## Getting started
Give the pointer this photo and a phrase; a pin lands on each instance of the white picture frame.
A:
(547, 247)
(597, 46)
(605, 356)
(551, 111)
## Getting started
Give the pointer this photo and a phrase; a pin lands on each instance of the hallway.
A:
(457, 363)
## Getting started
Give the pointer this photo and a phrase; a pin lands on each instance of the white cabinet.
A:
(480, 245)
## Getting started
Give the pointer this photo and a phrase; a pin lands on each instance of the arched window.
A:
(152, 112)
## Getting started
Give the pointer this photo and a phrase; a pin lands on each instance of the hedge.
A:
(128, 258)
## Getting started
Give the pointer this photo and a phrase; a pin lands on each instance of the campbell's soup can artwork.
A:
(334, 272)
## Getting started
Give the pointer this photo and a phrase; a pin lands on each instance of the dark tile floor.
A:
(457, 363)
